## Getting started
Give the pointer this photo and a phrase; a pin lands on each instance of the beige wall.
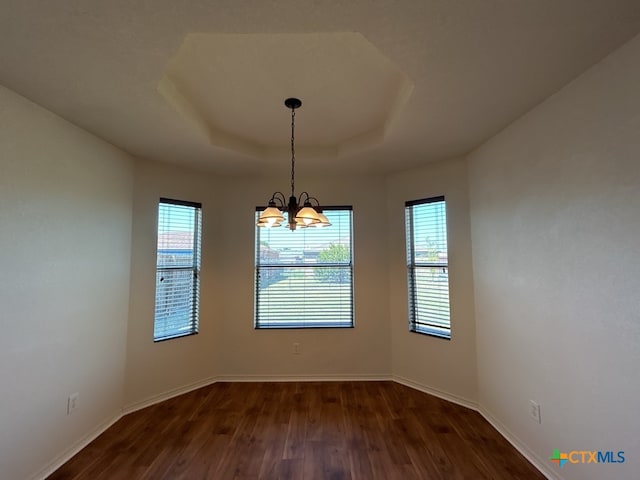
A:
(445, 366)
(359, 352)
(555, 209)
(156, 369)
(228, 346)
(65, 230)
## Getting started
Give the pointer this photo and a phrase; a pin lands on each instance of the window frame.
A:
(259, 268)
(417, 325)
(191, 326)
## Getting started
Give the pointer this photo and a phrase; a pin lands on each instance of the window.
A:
(428, 266)
(304, 278)
(177, 269)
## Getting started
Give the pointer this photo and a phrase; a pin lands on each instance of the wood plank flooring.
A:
(301, 431)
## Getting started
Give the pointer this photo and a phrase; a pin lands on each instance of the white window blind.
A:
(304, 278)
(428, 266)
(177, 269)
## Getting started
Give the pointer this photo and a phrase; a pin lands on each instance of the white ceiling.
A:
(475, 66)
(351, 91)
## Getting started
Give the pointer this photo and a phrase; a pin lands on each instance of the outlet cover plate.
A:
(72, 403)
(534, 411)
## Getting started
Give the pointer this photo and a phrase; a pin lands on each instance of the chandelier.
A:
(303, 211)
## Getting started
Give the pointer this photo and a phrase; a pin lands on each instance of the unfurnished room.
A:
(374, 239)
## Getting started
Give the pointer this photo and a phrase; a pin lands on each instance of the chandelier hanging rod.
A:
(301, 212)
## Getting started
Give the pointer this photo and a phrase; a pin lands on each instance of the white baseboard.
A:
(304, 378)
(65, 456)
(465, 402)
(161, 397)
(540, 464)
(100, 429)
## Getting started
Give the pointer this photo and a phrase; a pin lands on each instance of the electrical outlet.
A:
(73, 403)
(534, 411)
(295, 348)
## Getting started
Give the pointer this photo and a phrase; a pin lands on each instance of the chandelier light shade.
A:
(303, 211)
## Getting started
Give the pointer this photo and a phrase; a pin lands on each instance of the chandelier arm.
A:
(313, 199)
(303, 198)
(281, 199)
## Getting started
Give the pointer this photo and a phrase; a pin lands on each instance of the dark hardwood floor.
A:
(301, 431)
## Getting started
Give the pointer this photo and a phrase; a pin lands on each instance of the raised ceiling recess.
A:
(231, 87)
